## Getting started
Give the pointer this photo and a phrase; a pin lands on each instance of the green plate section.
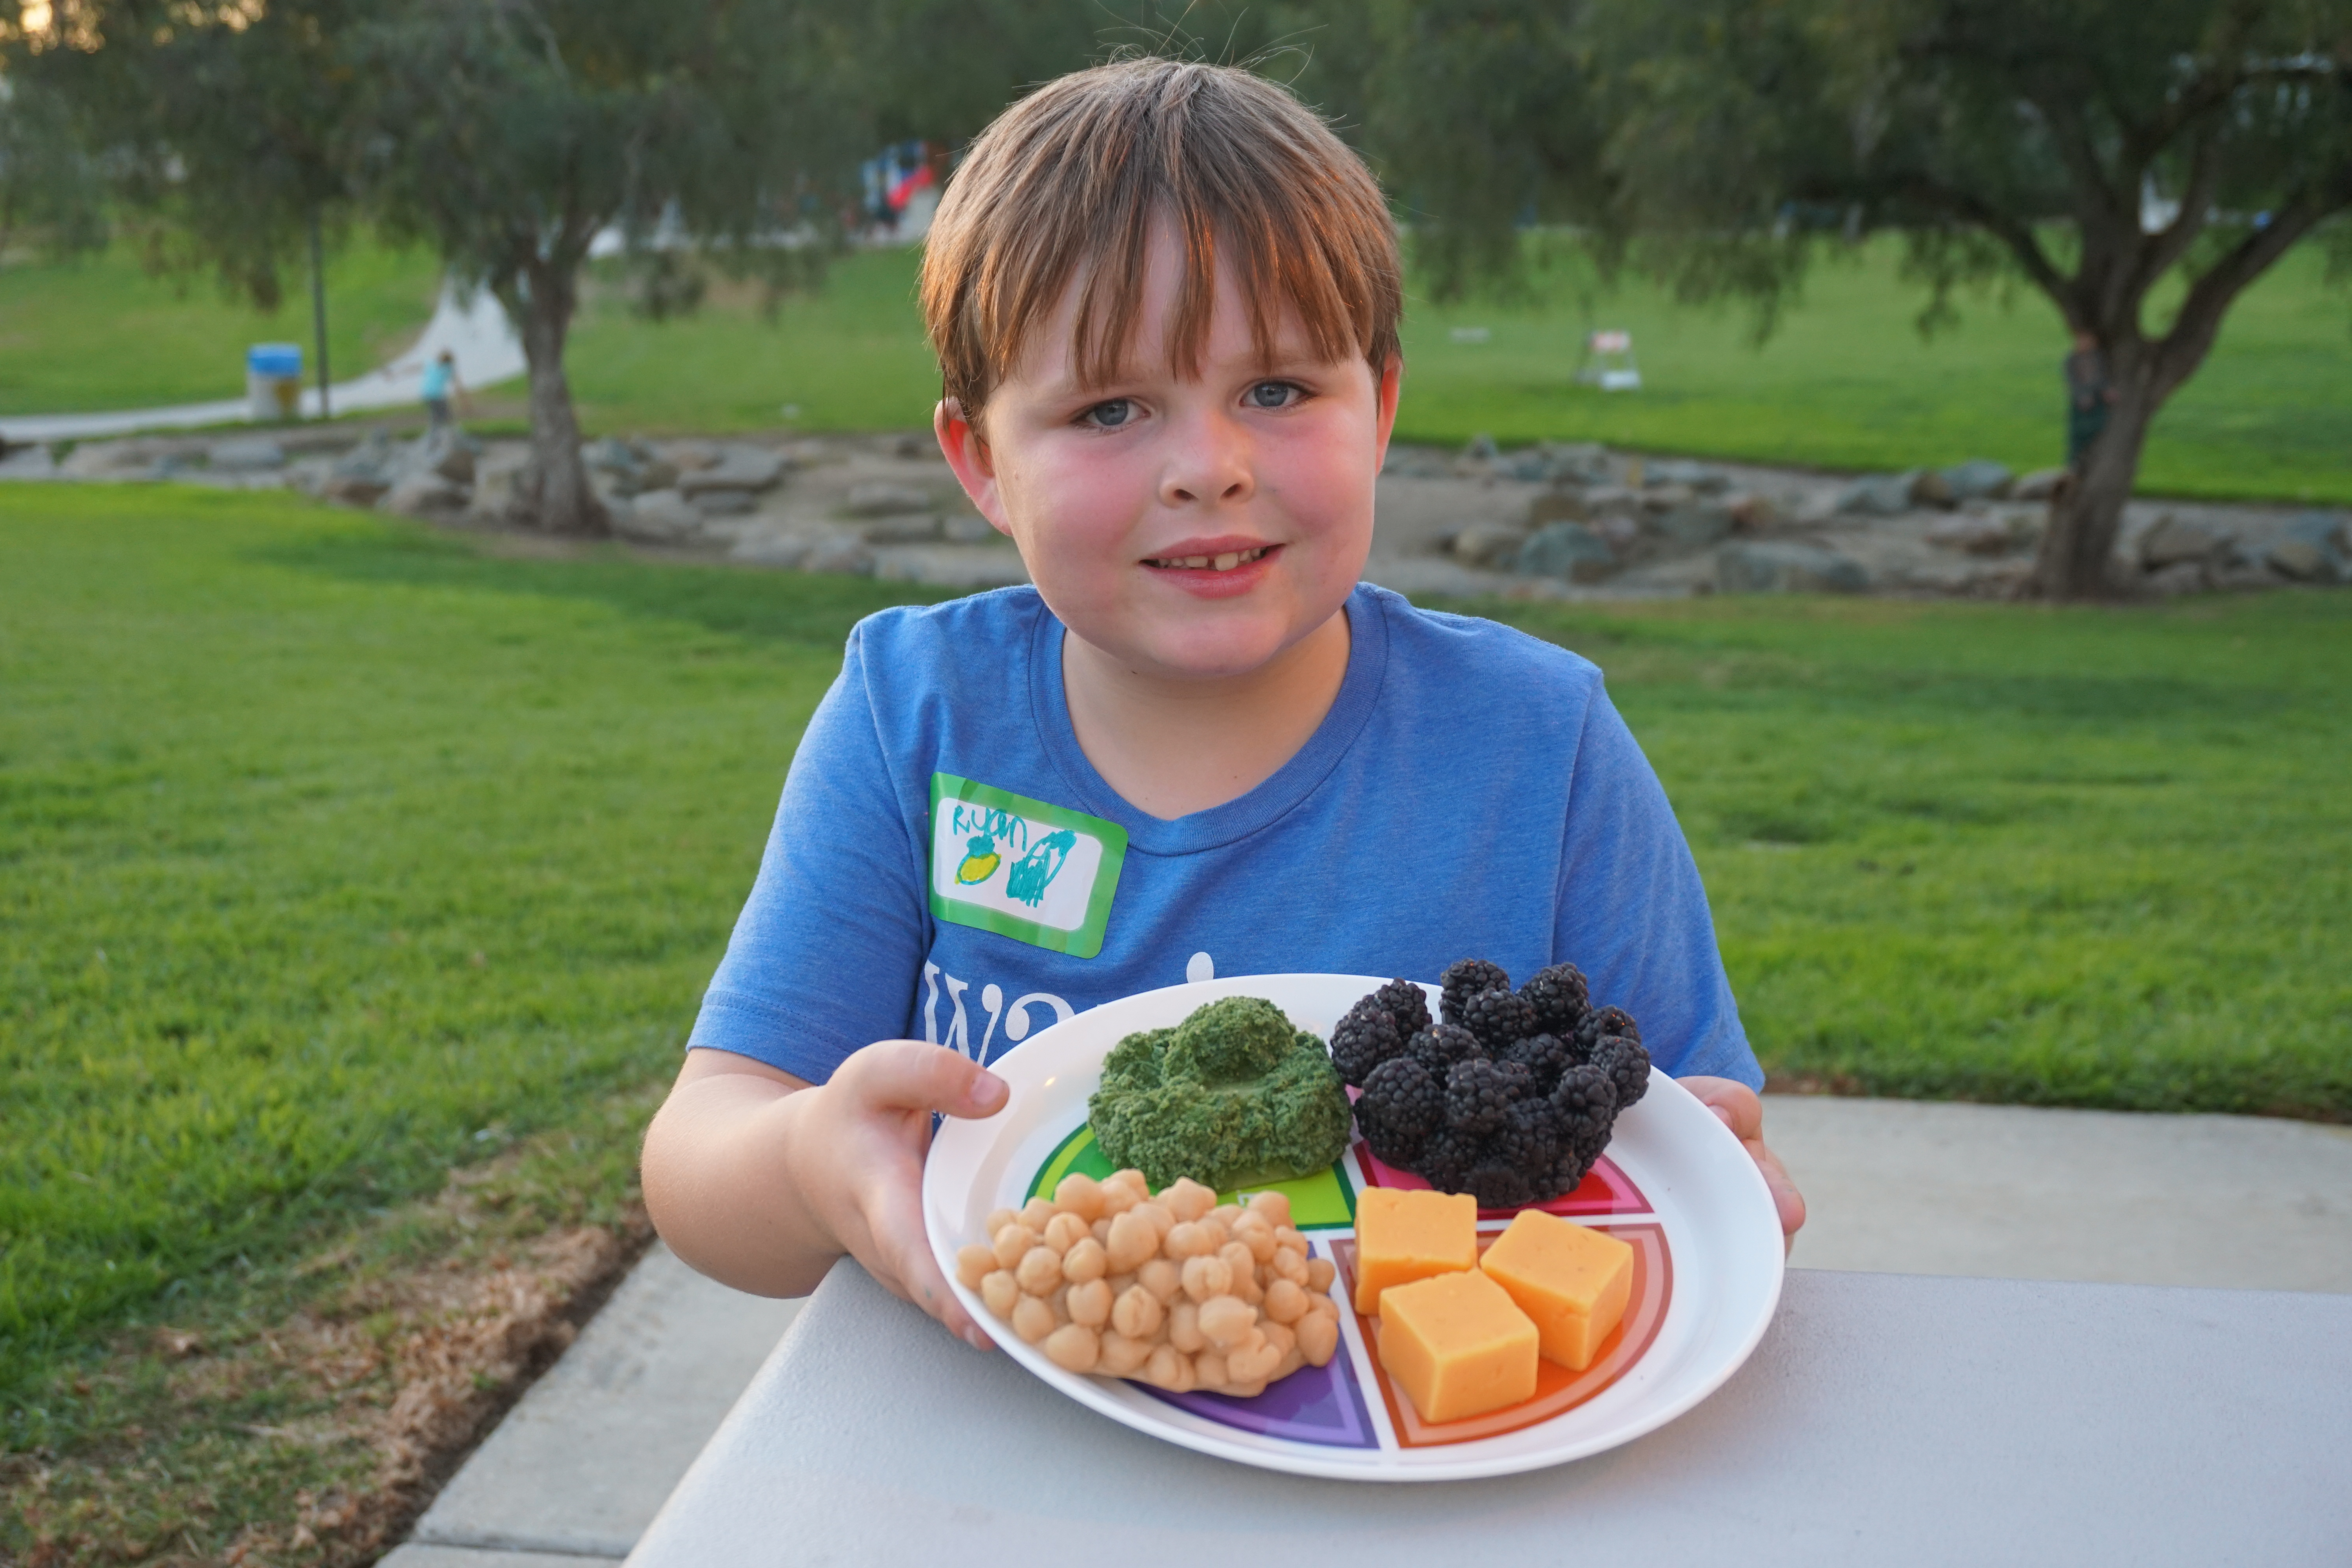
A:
(1323, 1201)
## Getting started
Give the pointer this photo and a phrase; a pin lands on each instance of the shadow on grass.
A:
(809, 609)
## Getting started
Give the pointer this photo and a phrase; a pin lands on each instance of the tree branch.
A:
(2007, 227)
(2184, 348)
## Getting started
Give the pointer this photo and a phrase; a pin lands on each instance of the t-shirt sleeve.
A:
(1633, 915)
(825, 955)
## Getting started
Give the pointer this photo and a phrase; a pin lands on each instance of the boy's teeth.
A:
(1228, 561)
(1225, 563)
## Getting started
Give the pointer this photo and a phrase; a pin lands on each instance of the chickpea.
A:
(1275, 1206)
(1089, 1304)
(1085, 1261)
(1284, 1235)
(1080, 1194)
(1320, 1272)
(1251, 1365)
(1074, 1347)
(1120, 1283)
(1012, 1244)
(1060, 1301)
(1209, 1367)
(1100, 1231)
(1285, 1302)
(1318, 1338)
(1131, 1243)
(1000, 1291)
(1188, 1239)
(1288, 1265)
(1131, 1180)
(1162, 1221)
(1188, 1199)
(1184, 1328)
(1039, 1270)
(1207, 1277)
(1226, 1321)
(1037, 1213)
(973, 1264)
(997, 1220)
(1122, 1357)
(1138, 1313)
(1032, 1318)
(1224, 1215)
(1237, 1259)
(1279, 1336)
(1065, 1231)
(1172, 1370)
(1161, 1277)
(1257, 1238)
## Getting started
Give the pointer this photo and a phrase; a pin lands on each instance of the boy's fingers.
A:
(913, 1076)
(920, 1280)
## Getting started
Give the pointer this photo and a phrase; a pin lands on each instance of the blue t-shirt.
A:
(1472, 792)
(436, 381)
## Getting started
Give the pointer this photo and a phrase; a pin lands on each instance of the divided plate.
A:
(1675, 1182)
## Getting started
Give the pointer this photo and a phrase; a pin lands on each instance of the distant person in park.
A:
(440, 386)
(2089, 397)
(1165, 300)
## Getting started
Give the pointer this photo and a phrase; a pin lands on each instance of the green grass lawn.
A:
(101, 333)
(334, 852)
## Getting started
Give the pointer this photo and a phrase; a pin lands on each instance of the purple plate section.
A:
(1314, 1404)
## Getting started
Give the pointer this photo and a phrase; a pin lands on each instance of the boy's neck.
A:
(1172, 747)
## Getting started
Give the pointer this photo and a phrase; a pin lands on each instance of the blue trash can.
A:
(273, 380)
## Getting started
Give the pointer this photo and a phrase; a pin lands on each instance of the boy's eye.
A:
(1274, 394)
(1110, 415)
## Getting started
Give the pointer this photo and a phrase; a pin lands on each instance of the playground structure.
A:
(1607, 363)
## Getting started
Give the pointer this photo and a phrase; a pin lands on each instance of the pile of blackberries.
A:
(1510, 1097)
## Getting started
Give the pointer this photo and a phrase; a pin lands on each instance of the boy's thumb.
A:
(917, 1076)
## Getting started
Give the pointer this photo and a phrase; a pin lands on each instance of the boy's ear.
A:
(1392, 384)
(975, 466)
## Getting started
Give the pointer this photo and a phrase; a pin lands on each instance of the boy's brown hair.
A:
(1072, 180)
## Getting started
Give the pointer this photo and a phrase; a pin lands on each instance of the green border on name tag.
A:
(1086, 940)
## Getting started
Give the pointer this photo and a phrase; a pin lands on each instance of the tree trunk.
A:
(553, 494)
(2078, 545)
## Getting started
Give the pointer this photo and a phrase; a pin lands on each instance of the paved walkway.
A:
(477, 334)
(579, 1469)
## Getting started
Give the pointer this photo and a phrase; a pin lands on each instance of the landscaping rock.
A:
(1557, 506)
(690, 456)
(905, 528)
(1579, 462)
(1878, 495)
(1929, 488)
(496, 475)
(2172, 541)
(1767, 567)
(2315, 550)
(1978, 478)
(1750, 512)
(1699, 477)
(725, 503)
(950, 567)
(1569, 550)
(970, 528)
(1415, 463)
(2039, 484)
(1697, 526)
(843, 552)
(1666, 497)
(1490, 546)
(746, 468)
(1481, 449)
(661, 517)
(784, 550)
(246, 455)
(2181, 577)
(362, 475)
(447, 454)
(1970, 533)
(423, 495)
(878, 497)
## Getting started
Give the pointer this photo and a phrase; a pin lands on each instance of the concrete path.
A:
(477, 334)
(579, 1469)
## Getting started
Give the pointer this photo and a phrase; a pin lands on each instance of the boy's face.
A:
(1191, 527)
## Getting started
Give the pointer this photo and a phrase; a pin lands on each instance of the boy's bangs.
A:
(1071, 184)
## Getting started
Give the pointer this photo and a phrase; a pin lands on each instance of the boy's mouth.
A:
(1224, 561)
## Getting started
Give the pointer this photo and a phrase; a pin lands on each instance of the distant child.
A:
(439, 387)
(1164, 298)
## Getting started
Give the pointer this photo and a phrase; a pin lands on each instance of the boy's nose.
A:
(1209, 462)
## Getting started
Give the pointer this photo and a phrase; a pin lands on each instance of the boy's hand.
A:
(1743, 1112)
(761, 1181)
(857, 1150)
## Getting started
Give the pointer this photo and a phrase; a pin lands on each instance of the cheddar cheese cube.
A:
(1572, 1282)
(1457, 1345)
(1405, 1236)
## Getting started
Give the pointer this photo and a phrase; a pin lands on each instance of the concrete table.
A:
(1885, 1418)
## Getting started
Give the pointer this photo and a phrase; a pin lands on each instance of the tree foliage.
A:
(51, 189)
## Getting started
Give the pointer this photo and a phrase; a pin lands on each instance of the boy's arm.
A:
(762, 1179)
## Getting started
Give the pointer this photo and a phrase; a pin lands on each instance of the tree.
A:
(510, 134)
(50, 187)
(2100, 151)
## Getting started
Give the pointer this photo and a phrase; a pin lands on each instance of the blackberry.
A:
(1398, 1108)
(1559, 997)
(1408, 1003)
(1528, 1139)
(1603, 1021)
(1498, 1184)
(1447, 1160)
(1544, 1056)
(1627, 1065)
(1499, 1018)
(1437, 1049)
(1366, 1036)
(1585, 1109)
(1465, 980)
(1479, 1094)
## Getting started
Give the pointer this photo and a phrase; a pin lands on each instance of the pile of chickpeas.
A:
(1174, 1290)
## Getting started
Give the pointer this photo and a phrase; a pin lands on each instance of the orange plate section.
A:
(1604, 1190)
(1558, 1390)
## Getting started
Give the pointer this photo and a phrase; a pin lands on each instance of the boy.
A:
(1165, 300)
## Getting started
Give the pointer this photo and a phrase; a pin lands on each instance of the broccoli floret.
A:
(1233, 1096)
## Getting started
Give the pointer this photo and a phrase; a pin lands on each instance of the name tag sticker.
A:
(1035, 872)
